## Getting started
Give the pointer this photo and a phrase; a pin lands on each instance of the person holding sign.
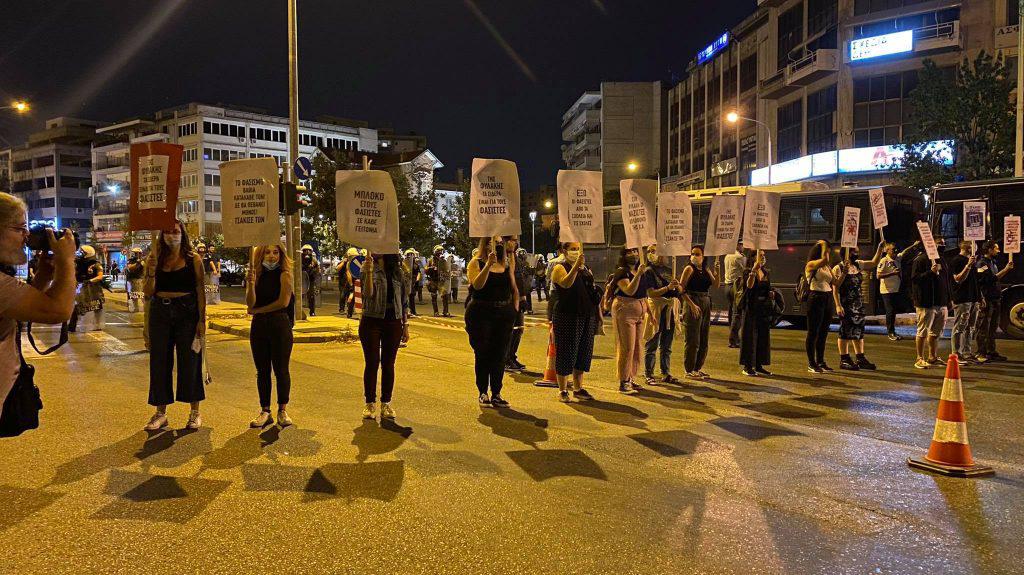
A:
(177, 324)
(695, 283)
(663, 301)
(965, 302)
(846, 289)
(271, 303)
(574, 320)
(989, 275)
(889, 278)
(629, 306)
(382, 328)
(490, 316)
(758, 312)
(817, 278)
(930, 295)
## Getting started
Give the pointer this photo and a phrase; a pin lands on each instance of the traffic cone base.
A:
(549, 379)
(950, 470)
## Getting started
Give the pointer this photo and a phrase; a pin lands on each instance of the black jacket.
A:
(928, 289)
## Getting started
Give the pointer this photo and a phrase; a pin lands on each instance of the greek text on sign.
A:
(851, 225)
(1011, 234)
(761, 220)
(153, 182)
(580, 206)
(879, 215)
(367, 210)
(724, 221)
(639, 198)
(494, 199)
(675, 224)
(249, 202)
(928, 241)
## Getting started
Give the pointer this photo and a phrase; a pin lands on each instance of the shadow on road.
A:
(614, 413)
(542, 464)
(753, 429)
(372, 438)
(512, 424)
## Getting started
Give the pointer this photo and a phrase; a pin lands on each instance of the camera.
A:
(38, 241)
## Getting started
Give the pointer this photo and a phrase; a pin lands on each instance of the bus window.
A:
(617, 235)
(821, 218)
(792, 219)
(700, 221)
(949, 224)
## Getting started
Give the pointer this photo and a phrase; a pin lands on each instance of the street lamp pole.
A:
(293, 231)
(733, 117)
(533, 232)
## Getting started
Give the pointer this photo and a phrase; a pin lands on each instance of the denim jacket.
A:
(375, 305)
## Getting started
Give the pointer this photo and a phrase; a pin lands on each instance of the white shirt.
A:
(889, 284)
(734, 266)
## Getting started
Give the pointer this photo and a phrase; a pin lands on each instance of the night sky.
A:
(430, 66)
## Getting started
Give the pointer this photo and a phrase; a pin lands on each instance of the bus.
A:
(1002, 198)
(808, 212)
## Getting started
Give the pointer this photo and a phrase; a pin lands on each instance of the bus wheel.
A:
(1011, 319)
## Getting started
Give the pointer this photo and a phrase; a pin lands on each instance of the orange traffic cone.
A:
(950, 452)
(549, 372)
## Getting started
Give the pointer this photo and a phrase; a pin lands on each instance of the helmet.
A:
(351, 253)
(136, 250)
(521, 251)
(438, 248)
(307, 247)
(363, 252)
(89, 251)
(200, 245)
(410, 252)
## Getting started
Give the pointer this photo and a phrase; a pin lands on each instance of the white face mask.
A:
(172, 241)
(695, 260)
(573, 255)
(271, 266)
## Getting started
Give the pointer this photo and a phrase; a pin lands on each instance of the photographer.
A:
(49, 299)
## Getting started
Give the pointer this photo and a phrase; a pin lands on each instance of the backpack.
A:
(802, 291)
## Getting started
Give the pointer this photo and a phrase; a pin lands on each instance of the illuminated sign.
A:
(715, 47)
(870, 159)
(875, 46)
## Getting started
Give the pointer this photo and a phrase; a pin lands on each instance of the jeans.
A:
(819, 316)
(889, 299)
(489, 326)
(735, 315)
(965, 320)
(695, 332)
(628, 316)
(172, 329)
(270, 339)
(516, 337)
(988, 321)
(379, 338)
(663, 339)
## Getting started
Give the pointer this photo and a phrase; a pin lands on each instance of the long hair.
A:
(390, 264)
(704, 262)
(623, 268)
(484, 249)
(818, 251)
(184, 250)
(259, 252)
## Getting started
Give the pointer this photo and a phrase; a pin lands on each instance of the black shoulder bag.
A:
(23, 403)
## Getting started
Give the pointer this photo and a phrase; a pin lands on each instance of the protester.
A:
(524, 269)
(344, 285)
(735, 265)
(456, 271)
(695, 282)
(271, 303)
(310, 277)
(989, 276)
(50, 297)
(548, 269)
(350, 268)
(133, 276)
(574, 321)
(89, 300)
(490, 315)
(849, 301)
(382, 327)
(965, 302)
(629, 305)
(115, 271)
(439, 281)
(818, 275)
(522, 279)
(177, 326)
(929, 293)
(663, 304)
(412, 260)
(889, 282)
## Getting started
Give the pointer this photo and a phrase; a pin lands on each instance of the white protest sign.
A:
(761, 220)
(675, 224)
(851, 225)
(879, 215)
(249, 202)
(580, 206)
(494, 199)
(367, 210)
(639, 201)
(724, 222)
(152, 182)
(928, 241)
(1011, 234)
(974, 221)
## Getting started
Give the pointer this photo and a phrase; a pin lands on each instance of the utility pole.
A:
(293, 230)
(1018, 150)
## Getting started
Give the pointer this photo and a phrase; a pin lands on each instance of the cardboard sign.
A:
(249, 202)
(580, 207)
(675, 224)
(1011, 234)
(974, 221)
(928, 241)
(761, 220)
(851, 225)
(724, 223)
(155, 179)
(367, 208)
(639, 201)
(879, 215)
(494, 199)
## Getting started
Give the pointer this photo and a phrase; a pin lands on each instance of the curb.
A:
(344, 336)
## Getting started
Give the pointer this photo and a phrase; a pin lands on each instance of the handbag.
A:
(23, 402)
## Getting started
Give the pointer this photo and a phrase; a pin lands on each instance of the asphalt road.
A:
(797, 473)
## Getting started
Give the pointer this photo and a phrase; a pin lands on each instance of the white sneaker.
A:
(282, 418)
(386, 412)
(261, 420)
(368, 411)
(158, 421)
(195, 421)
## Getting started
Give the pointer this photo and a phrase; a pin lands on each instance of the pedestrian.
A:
(574, 321)
(115, 271)
(539, 277)
(490, 316)
(524, 269)
(663, 304)
(735, 265)
(695, 283)
(456, 271)
(890, 269)
(133, 277)
(177, 326)
(382, 328)
(629, 306)
(521, 277)
(271, 303)
(849, 301)
(438, 281)
(89, 299)
(310, 277)
(412, 261)
(930, 294)
(818, 277)
(989, 276)
(965, 298)
(344, 283)
(757, 303)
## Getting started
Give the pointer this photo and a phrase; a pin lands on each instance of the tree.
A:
(971, 106)
(455, 221)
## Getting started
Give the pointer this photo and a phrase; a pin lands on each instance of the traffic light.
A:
(288, 198)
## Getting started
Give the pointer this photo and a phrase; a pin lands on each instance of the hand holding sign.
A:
(494, 199)
(928, 241)
(851, 227)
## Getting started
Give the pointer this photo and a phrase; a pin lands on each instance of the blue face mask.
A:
(271, 266)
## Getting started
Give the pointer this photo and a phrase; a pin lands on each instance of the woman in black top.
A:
(382, 328)
(695, 282)
(491, 315)
(269, 300)
(177, 324)
(759, 307)
(574, 320)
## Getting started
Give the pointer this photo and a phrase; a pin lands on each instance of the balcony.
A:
(938, 37)
(584, 121)
(106, 162)
(813, 67)
(775, 86)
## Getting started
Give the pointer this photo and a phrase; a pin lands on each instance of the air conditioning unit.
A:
(241, 139)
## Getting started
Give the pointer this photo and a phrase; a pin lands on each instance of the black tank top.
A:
(268, 287)
(181, 281)
(575, 299)
(700, 281)
(498, 287)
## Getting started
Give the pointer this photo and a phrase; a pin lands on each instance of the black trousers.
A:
(735, 314)
(517, 336)
(412, 303)
(455, 292)
(444, 301)
(311, 300)
(379, 338)
(172, 329)
(489, 327)
(270, 339)
(988, 321)
(819, 316)
(755, 341)
(889, 299)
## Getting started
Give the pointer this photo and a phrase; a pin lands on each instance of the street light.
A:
(548, 204)
(19, 106)
(732, 117)
(632, 167)
(533, 232)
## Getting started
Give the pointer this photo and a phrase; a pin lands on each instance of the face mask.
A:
(695, 260)
(573, 255)
(632, 259)
(172, 241)
(271, 266)
(499, 250)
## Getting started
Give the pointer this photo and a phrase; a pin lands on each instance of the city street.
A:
(795, 473)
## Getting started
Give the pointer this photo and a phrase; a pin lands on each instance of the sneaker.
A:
(965, 361)
(824, 367)
(563, 396)
(894, 337)
(262, 420)
(982, 359)
(701, 373)
(282, 418)
(369, 411)
(936, 361)
(516, 364)
(498, 401)
(734, 345)
(921, 364)
(669, 378)
(582, 395)
(650, 380)
(626, 387)
(195, 420)
(158, 421)
(763, 371)
(749, 372)
(386, 412)
(849, 365)
(509, 368)
(484, 400)
(636, 386)
(815, 369)
(694, 375)
(863, 363)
